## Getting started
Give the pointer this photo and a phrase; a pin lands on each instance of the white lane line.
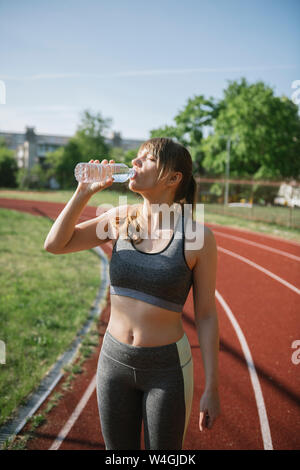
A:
(260, 403)
(75, 415)
(259, 245)
(260, 268)
(269, 238)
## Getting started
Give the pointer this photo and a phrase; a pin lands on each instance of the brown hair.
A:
(171, 156)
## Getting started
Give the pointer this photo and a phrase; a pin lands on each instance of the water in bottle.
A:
(96, 172)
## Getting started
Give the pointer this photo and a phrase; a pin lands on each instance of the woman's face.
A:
(147, 171)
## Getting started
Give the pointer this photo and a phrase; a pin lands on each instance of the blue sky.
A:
(137, 62)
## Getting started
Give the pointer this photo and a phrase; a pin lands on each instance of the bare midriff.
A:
(139, 323)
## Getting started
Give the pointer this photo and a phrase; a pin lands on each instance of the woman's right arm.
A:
(67, 237)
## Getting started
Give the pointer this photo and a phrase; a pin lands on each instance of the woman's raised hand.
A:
(92, 188)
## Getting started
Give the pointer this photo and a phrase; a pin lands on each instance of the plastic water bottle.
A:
(96, 172)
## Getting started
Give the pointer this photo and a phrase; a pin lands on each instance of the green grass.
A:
(253, 225)
(108, 196)
(86, 349)
(284, 216)
(44, 300)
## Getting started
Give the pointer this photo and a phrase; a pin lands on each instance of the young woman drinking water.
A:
(145, 368)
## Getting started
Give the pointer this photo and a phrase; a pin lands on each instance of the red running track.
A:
(258, 304)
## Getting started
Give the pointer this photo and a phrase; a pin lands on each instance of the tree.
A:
(88, 143)
(130, 155)
(197, 114)
(8, 166)
(35, 178)
(170, 132)
(117, 154)
(90, 136)
(62, 163)
(264, 131)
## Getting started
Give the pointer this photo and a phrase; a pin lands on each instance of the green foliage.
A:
(170, 132)
(53, 160)
(190, 121)
(197, 113)
(22, 179)
(117, 154)
(88, 143)
(35, 178)
(129, 156)
(90, 136)
(264, 132)
(63, 162)
(8, 167)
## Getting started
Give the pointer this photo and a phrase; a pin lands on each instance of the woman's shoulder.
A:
(199, 227)
(208, 242)
(199, 237)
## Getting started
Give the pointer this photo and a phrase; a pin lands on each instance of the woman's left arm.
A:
(206, 320)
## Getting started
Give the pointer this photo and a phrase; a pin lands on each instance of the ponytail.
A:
(191, 195)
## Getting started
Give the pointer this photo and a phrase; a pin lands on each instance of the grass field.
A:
(44, 301)
(103, 197)
(253, 225)
(285, 216)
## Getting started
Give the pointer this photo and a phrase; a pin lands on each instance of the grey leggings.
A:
(150, 384)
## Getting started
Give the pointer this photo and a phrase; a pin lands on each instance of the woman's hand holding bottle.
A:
(92, 188)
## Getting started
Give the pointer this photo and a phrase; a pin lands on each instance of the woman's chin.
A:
(132, 188)
(132, 184)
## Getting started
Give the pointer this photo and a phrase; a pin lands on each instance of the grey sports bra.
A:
(163, 279)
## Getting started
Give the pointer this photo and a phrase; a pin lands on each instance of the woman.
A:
(145, 367)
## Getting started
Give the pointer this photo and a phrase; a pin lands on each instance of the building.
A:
(31, 148)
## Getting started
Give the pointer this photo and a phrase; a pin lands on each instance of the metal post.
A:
(252, 201)
(291, 216)
(227, 171)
